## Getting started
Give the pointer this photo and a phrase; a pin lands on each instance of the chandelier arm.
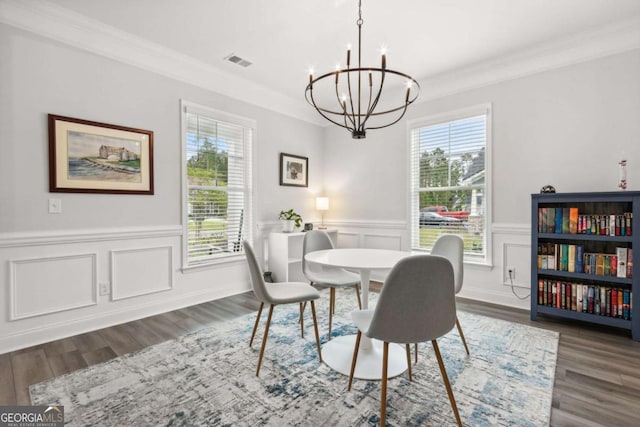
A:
(404, 110)
(343, 104)
(352, 118)
(375, 102)
(320, 111)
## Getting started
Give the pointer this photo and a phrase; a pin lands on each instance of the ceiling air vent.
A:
(237, 60)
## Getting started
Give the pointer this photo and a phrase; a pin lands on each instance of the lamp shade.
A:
(322, 203)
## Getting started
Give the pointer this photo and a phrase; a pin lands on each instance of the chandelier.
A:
(366, 110)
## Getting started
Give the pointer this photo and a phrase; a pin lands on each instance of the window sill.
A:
(214, 263)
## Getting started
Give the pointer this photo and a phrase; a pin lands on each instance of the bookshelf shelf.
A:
(586, 317)
(586, 237)
(564, 256)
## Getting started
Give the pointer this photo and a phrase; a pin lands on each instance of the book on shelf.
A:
(579, 259)
(599, 265)
(598, 300)
(621, 255)
(571, 258)
(570, 221)
(573, 220)
(558, 221)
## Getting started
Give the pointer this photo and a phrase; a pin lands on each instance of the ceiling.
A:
(285, 38)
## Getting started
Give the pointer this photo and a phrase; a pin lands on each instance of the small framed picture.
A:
(92, 157)
(294, 170)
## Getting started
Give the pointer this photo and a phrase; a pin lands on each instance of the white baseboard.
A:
(55, 331)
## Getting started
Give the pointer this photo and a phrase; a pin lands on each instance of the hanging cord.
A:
(513, 289)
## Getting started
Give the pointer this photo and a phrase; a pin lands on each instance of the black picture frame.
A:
(294, 170)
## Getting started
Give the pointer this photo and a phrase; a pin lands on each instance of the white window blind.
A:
(218, 180)
(449, 181)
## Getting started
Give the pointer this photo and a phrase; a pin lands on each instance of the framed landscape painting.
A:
(294, 170)
(92, 157)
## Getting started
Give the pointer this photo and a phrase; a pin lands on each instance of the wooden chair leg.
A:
(358, 294)
(416, 352)
(383, 393)
(255, 326)
(332, 294)
(355, 358)
(462, 335)
(303, 306)
(315, 328)
(301, 321)
(445, 378)
(264, 339)
(408, 346)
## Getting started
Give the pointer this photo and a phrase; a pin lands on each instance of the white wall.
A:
(567, 127)
(51, 264)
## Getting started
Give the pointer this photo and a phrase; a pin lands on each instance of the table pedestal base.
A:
(338, 354)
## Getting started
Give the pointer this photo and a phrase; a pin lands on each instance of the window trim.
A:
(192, 107)
(450, 116)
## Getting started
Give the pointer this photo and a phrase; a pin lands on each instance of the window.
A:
(449, 180)
(217, 151)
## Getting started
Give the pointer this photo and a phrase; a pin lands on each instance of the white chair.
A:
(416, 304)
(451, 246)
(276, 294)
(317, 240)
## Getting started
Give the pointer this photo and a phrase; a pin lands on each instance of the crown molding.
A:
(606, 41)
(63, 25)
(55, 22)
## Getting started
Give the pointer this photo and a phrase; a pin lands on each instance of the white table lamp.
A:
(322, 204)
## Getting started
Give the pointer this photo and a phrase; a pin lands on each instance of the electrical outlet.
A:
(104, 288)
(511, 273)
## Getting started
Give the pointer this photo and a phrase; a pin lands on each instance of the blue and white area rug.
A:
(207, 378)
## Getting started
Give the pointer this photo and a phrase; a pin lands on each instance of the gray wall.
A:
(568, 127)
(40, 76)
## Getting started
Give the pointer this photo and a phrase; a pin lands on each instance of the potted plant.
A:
(290, 220)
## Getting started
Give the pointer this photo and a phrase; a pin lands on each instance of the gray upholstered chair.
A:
(276, 294)
(330, 277)
(416, 304)
(451, 246)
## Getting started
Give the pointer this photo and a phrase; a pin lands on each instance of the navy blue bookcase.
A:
(600, 203)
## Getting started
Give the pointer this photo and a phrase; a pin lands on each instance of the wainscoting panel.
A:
(142, 271)
(517, 256)
(382, 241)
(45, 285)
(348, 240)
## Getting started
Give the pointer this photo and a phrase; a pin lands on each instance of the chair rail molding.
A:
(40, 238)
(511, 228)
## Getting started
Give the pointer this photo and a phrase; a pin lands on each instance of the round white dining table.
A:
(338, 352)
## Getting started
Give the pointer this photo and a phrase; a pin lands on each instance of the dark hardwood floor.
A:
(597, 375)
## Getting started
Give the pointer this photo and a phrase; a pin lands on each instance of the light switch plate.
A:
(55, 206)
